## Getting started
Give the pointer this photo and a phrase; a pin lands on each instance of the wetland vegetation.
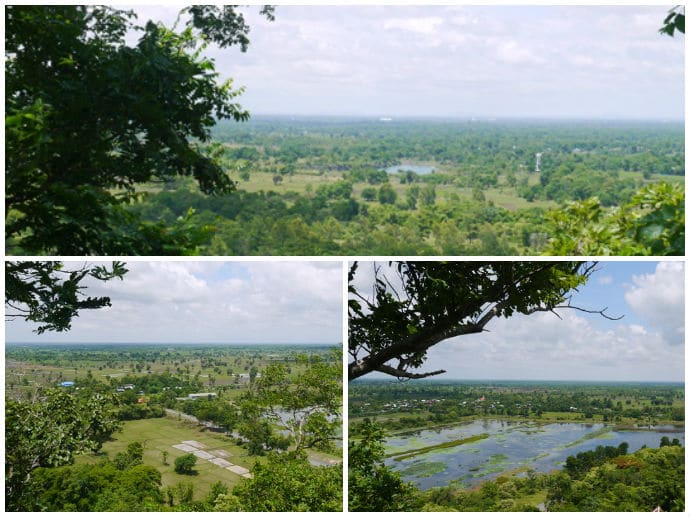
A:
(517, 446)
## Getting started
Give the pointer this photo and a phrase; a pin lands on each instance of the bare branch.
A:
(601, 312)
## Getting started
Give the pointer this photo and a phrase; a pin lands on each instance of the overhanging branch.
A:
(403, 374)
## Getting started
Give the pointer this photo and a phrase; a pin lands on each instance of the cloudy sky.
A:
(646, 345)
(209, 302)
(457, 61)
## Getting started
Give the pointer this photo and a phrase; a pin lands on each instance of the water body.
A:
(417, 169)
(510, 445)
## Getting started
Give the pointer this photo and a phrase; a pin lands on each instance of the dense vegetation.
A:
(279, 405)
(411, 405)
(317, 186)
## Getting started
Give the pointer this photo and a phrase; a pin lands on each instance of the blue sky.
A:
(457, 60)
(647, 344)
(209, 302)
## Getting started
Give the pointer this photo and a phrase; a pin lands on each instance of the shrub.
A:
(185, 464)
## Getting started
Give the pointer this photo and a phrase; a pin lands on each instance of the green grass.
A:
(532, 499)
(160, 434)
(424, 469)
(599, 433)
(444, 445)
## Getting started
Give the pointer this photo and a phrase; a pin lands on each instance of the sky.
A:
(456, 61)
(208, 302)
(647, 344)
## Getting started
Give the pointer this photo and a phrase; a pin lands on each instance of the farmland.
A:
(229, 412)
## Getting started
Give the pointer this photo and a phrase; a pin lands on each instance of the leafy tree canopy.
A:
(307, 406)
(651, 223)
(416, 305)
(185, 464)
(373, 487)
(47, 293)
(88, 117)
(49, 433)
(675, 21)
(287, 483)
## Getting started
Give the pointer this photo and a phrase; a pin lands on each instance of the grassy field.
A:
(160, 434)
(217, 366)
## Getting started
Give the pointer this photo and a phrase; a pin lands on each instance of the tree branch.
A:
(403, 374)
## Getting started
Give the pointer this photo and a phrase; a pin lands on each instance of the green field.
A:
(160, 434)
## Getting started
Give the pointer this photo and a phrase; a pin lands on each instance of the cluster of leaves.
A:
(651, 223)
(185, 464)
(287, 483)
(577, 466)
(416, 305)
(674, 21)
(102, 487)
(50, 432)
(373, 487)
(642, 481)
(308, 407)
(46, 293)
(89, 117)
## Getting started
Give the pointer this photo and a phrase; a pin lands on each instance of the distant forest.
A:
(309, 186)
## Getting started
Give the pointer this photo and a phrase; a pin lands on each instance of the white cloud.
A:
(515, 53)
(605, 280)
(659, 299)
(212, 301)
(541, 346)
(457, 61)
(422, 25)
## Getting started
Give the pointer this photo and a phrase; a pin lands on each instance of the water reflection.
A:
(509, 446)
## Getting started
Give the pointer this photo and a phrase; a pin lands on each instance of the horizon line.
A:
(393, 117)
(248, 343)
(455, 379)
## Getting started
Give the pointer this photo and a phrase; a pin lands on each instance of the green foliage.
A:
(185, 464)
(675, 21)
(287, 483)
(541, 401)
(44, 292)
(387, 195)
(637, 482)
(258, 432)
(326, 207)
(100, 487)
(578, 465)
(89, 117)
(373, 487)
(308, 406)
(368, 193)
(439, 300)
(49, 433)
(133, 456)
(651, 223)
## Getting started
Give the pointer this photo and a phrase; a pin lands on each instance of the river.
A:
(509, 445)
